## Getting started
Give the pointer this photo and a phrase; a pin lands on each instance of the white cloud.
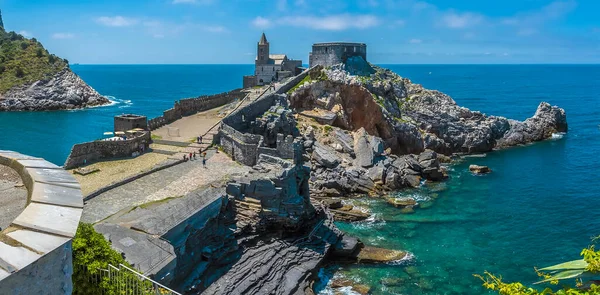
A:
(63, 36)
(26, 34)
(261, 22)
(116, 21)
(331, 23)
(461, 20)
(415, 41)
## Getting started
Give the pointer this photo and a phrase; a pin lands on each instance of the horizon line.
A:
(399, 64)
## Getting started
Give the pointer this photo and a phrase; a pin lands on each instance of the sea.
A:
(538, 207)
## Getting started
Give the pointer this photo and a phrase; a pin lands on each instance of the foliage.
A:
(24, 61)
(318, 75)
(587, 267)
(91, 254)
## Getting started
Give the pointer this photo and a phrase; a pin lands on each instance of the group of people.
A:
(192, 156)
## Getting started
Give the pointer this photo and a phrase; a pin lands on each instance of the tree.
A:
(19, 73)
(91, 253)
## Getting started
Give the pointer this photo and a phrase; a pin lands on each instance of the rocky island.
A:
(32, 79)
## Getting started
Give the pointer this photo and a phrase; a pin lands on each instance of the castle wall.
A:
(190, 106)
(128, 122)
(246, 147)
(249, 81)
(97, 150)
(328, 54)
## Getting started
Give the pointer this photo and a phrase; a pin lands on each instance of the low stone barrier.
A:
(89, 152)
(36, 250)
(190, 106)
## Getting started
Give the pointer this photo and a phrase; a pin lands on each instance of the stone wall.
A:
(190, 106)
(245, 147)
(89, 152)
(328, 54)
(129, 122)
(249, 81)
(36, 250)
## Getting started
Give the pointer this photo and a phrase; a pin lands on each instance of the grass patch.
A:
(155, 136)
(24, 61)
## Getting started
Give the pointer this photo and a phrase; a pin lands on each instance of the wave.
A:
(558, 135)
(407, 259)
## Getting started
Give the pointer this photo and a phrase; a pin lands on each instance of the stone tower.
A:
(2, 23)
(263, 51)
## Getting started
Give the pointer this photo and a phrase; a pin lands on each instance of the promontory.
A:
(32, 79)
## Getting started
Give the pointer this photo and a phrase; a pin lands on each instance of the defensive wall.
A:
(245, 147)
(190, 106)
(332, 53)
(89, 152)
(36, 249)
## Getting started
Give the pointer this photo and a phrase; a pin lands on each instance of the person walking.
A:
(190, 156)
(194, 155)
(204, 162)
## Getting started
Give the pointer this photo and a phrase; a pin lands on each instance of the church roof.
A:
(263, 39)
(277, 56)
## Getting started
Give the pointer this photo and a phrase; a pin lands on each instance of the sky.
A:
(227, 31)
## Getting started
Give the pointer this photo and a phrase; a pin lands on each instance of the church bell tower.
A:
(262, 57)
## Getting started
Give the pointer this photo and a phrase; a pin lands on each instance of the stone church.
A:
(271, 67)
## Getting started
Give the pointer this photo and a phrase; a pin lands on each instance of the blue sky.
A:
(396, 31)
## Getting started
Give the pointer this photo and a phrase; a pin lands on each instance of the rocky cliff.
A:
(381, 132)
(63, 91)
(410, 118)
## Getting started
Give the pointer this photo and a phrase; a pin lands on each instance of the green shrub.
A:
(23, 59)
(91, 253)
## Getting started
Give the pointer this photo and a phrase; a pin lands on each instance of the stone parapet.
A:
(36, 250)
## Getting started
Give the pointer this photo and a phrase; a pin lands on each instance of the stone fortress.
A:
(332, 53)
(271, 67)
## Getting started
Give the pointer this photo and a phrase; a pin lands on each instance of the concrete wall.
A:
(97, 150)
(36, 250)
(190, 106)
(328, 54)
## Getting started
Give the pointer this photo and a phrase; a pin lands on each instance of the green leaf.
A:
(575, 264)
(563, 275)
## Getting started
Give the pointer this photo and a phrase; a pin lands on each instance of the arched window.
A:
(325, 49)
(273, 69)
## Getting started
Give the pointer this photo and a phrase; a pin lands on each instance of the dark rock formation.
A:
(283, 239)
(479, 169)
(64, 91)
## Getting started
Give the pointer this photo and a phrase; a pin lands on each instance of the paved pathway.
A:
(175, 181)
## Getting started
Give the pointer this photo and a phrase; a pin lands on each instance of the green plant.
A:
(155, 136)
(91, 253)
(25, 60)
(588, 267)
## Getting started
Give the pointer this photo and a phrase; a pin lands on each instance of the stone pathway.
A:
(175, 181)
(13, 196)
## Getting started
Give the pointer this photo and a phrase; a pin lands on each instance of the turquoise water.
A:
(138, 89)
(538, 207)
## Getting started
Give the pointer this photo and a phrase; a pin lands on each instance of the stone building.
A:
(128, 122)
(332, 53)
(271, 67)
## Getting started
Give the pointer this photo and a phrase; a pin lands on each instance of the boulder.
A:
(412, 180)
(324, 156)
(402, 202)
(346, 246)
(332, 203)
(377, 255)
(477, 169)
(365, 156)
